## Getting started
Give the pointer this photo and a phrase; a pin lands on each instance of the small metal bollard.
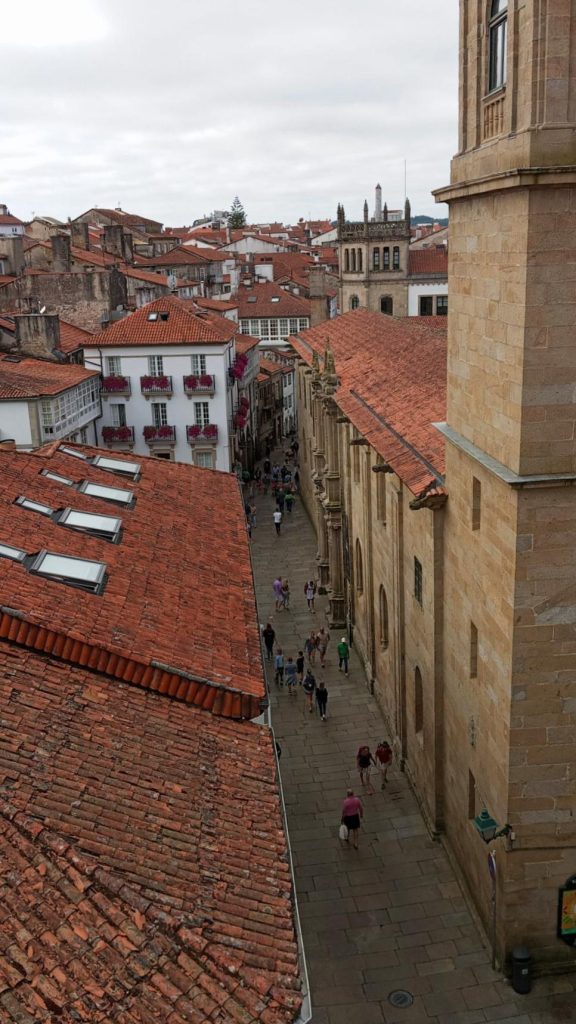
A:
(521, 970)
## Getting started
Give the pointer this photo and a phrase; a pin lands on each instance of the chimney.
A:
(80, 235)
(228, 235)
(378, 204)
(127, 246)
(113, 240)
(7, 444)
(60, 253)
(3, 210)
(38, 335)
(317, 293)
(14, 249)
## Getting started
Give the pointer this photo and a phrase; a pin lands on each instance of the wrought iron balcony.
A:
(160, 435)
(161, 385)
(118, 435)
(115, 385)
(199, 384)
(202, 435)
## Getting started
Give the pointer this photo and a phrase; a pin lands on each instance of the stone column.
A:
(337, 603)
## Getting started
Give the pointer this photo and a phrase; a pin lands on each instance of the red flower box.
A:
(117, 433)
(163, 433)
(113, 383)
(162, 383)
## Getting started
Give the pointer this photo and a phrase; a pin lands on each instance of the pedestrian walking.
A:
(277, 516)
(322, 641)
(285, 594)
(266, 483)
(290, 672)
(253, 516)
(352, 814)
(277, 588)
(297, 480)
(365, 760)
(300, 666)
(343, 655)
(383, 760)
(310, 646)
(289, 499)
(269, 635)
(280, 499)
(266, 466)
(309, 687)
(279, 667)
(275, 473)
(322, 699)
(310, 594)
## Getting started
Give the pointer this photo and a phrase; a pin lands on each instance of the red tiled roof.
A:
(34, 378)
(216, 304)
(177, 611)
(144, 864)
(269, 367)
(185, 325)
(7, 218)
(264, 306)
(148, 276)
(245, 342)
(392, 374)
(428, 261)
(127, 219)
(210, 255)
(73, 338)
(179, 256)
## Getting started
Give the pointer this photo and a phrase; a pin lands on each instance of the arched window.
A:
(384, 638)
(346, 260)
(418, 701)
(386, 305)
(386, 258)
(354, 302)
(376, 258)
(497, 33)
(396, 258)
(360, 260)
(359, 569)
(353, 260)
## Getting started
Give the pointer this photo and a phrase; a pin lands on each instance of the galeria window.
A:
(497, 35)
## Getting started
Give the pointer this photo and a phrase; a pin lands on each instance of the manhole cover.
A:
(401, 999)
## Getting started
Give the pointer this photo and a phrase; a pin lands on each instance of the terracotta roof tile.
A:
(177, 611)
(271, 301)
(392, 374)
(185, 324)
(33, 378)
(145, 872)
(428, 261)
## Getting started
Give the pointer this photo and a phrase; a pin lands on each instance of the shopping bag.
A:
(343, 833)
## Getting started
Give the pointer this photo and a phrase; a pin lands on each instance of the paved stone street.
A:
(391, 915)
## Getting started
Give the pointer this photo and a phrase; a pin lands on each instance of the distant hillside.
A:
(422, 219)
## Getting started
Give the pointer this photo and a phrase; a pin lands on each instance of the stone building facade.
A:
(456, 575)
(373, 258)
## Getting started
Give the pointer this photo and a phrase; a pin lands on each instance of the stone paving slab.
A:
(391, 914)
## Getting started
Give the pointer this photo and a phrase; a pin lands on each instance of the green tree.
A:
(237, 215)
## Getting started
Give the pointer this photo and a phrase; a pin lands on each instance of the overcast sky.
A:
(171, 109)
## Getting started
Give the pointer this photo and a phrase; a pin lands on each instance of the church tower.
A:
(373, 258)
(510, 526)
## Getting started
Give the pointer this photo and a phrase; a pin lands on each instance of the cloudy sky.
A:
(171, 109)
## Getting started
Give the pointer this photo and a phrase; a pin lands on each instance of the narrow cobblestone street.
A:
(389, 916)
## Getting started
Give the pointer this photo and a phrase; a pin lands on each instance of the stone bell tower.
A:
(510, 541)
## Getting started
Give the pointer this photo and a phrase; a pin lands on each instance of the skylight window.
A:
(152, 316)
(70, 451)
(131, 469)
(116, 494)
(106, 527)
(251, 298)
(16, 554)
(275, 298)
(77, 572)
(34, 506)
(55, 476)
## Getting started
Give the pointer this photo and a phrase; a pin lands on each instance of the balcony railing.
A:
(118, 435)
(202, 435)
(199, 384)
(115, 385)
(160, 435)
(161, 385)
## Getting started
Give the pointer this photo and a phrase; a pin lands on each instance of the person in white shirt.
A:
(277, 520)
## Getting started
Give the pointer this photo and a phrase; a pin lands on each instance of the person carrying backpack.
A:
(309, 687)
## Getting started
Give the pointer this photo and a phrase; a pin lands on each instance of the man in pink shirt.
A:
(352, 812)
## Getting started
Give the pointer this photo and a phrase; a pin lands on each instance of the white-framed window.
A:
(204, 459)
(303, 323)
(159, 414)
(198, 365)
(113, 366)
(62, 414)
(201, 413)
(264, 329)
(293, 325)
(244, 327)
(284, 327)
(156, 366)
(255, 328)
(273, 328)
(118, 411)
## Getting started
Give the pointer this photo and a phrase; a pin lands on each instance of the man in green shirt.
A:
(343, 655)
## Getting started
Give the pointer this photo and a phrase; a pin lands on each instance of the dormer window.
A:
(497, 34)
(15, 554)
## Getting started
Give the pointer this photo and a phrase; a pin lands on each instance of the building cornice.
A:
(520, 177)
(498, 469)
